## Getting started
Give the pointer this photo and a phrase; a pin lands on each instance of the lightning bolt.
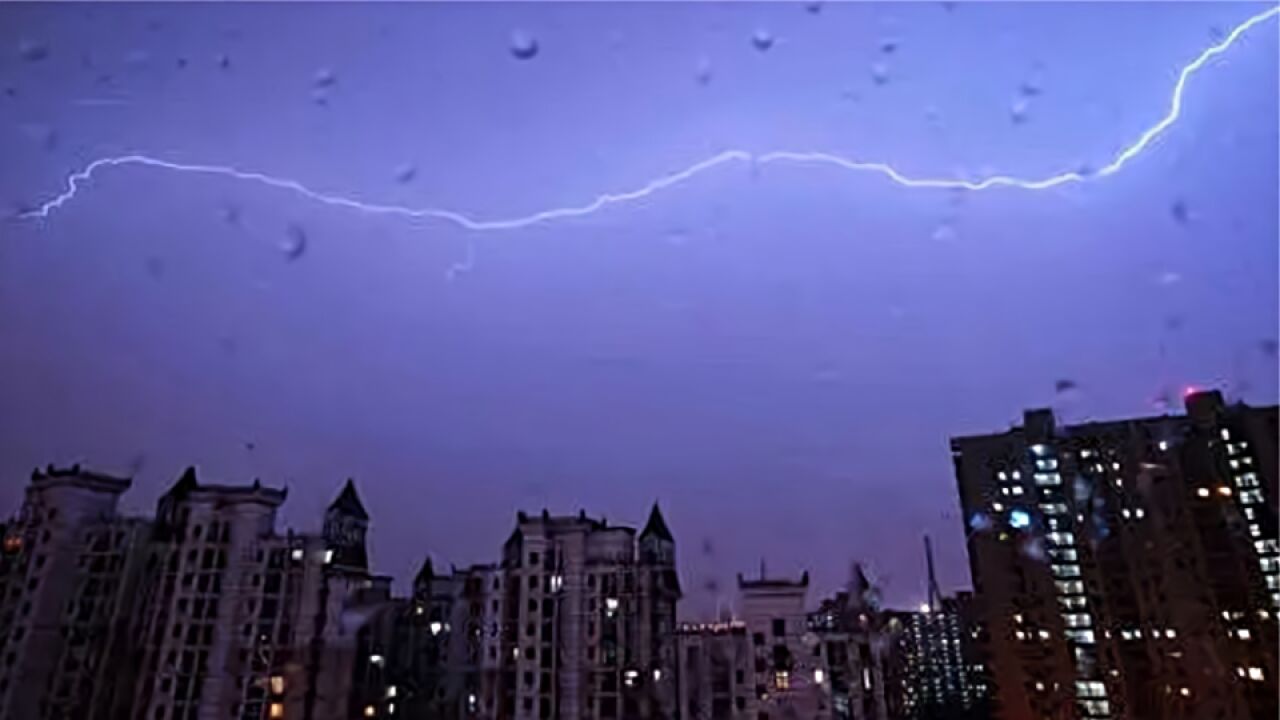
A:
(77, 180)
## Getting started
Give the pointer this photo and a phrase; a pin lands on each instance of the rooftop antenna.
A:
(934, 594)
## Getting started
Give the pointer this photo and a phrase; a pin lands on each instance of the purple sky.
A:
(778, 356)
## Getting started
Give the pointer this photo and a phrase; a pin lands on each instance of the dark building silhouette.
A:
(1127, 569)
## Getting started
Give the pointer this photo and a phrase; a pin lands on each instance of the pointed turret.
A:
(348, 502)
(345, 524)
(656, 526)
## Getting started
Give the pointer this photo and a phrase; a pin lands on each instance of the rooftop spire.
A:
(348, 502)
(657, 526)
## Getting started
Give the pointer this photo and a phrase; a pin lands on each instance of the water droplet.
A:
(980, 522)
(1033, 549)
(889, 46)
(703, 73)
(231, 215)
(1181, 214)
(850, 95)
(325, 78)
(137, 58)
(1217, 33)
(1018, 111)
(707, 547)
(155, 267)
(33, 50)
(320, 97)
(224, 61)
(181, 63)
(406, 173)
(944, 232)
(42, 135)
(523, 45)
(880, 73)
(1081, 489)
(295, 243)
(1170, 278)
(932, 117)
(949, 5)
(813, 8)
(1269, 347)
(1030, 88)
(1173, 323)
(1064, 385)
(762, 40)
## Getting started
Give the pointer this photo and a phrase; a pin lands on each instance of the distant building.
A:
(715, 674)
(1127, 569)
(936, 671)
(589, 627)
(203, 611)
(779, 660)
(69, 572)
(576, 621)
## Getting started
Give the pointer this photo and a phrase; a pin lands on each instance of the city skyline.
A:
(775, 354)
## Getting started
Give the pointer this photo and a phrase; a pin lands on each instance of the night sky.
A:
(777, 354)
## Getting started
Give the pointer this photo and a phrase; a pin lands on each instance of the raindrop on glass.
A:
(813, 8)
(1064, 385)
(1018, 111)
(231, 215)
(42, 135)
(137, 58)
(33, 50)
(155, 267)
(1269, 347)
(1170, 278)
(224, 62)
(324, 78)
(889, 46)
(762, 40)
(880, 73)
(1173, 323)
(1181, 214)
(944, 232)
(1030, 88)
(181, 63)
(295, 243)
(1033, 549)
(406, 173)
(703, 74)
(523, 45)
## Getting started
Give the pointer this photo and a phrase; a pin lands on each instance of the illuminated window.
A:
(370, 711)
(1047, 464)
(328, 556)
(1202, 492)
(1070, 587)
(782, 680)
(1255, 673)
(819, 676)
(1226, 434)
(275, 711)
(1065, 571)
(1077, 620)
(1243, 633)
(1082, 637)
(296, 554)
(1250, 497)
(277, 684)
(1090, 689)
(1061, 538)
(1247, 480)
(1225, 491)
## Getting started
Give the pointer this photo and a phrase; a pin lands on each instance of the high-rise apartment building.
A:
(1127, 569)
(69, 570)
(936, 672)
(203, 611)
(589, 624)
